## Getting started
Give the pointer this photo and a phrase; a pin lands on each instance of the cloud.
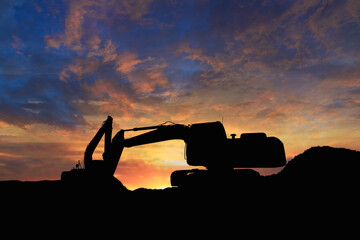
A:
(136, 9)
(108, 52)
(73, 29)
(216, 63)
(248, 46)
(49, 112)
(84, 66)
(126, 62)
(83, 17)
(40, 99)
(116, 101)
(32, 161)
(146, 79)
(52, 41)
(17, 44)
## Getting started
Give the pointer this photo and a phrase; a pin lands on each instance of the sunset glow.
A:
(290, 69)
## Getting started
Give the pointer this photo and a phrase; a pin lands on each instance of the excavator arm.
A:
(106, 129)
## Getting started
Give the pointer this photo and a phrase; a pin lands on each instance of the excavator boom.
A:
(161, 133)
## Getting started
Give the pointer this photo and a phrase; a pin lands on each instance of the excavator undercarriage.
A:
(226, 160)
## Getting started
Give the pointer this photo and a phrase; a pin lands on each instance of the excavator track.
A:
(205, 178)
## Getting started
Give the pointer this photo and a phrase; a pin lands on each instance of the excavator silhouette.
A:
(206, 145)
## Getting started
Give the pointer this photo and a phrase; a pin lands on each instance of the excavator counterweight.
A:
(206, 144)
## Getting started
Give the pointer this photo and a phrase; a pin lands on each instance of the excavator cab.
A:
(206, 144)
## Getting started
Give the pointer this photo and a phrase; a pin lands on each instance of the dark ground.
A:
(322, 182)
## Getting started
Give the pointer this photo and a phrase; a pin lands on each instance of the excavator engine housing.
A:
(208, 146)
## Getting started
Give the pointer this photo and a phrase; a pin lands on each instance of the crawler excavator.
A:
(226, 160)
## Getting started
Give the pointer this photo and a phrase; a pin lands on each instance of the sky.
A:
(288, 68)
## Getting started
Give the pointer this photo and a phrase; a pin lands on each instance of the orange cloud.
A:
(52, 41)
(76, 34)
(36, 160)
(73, 25)
(79, 68)
(108, 52)
(215, 62)
(118, 101)
(152, 78)
(18, 43)
(126, 62)
(85, 66)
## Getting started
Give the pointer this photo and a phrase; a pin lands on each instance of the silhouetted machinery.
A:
(206, 145)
